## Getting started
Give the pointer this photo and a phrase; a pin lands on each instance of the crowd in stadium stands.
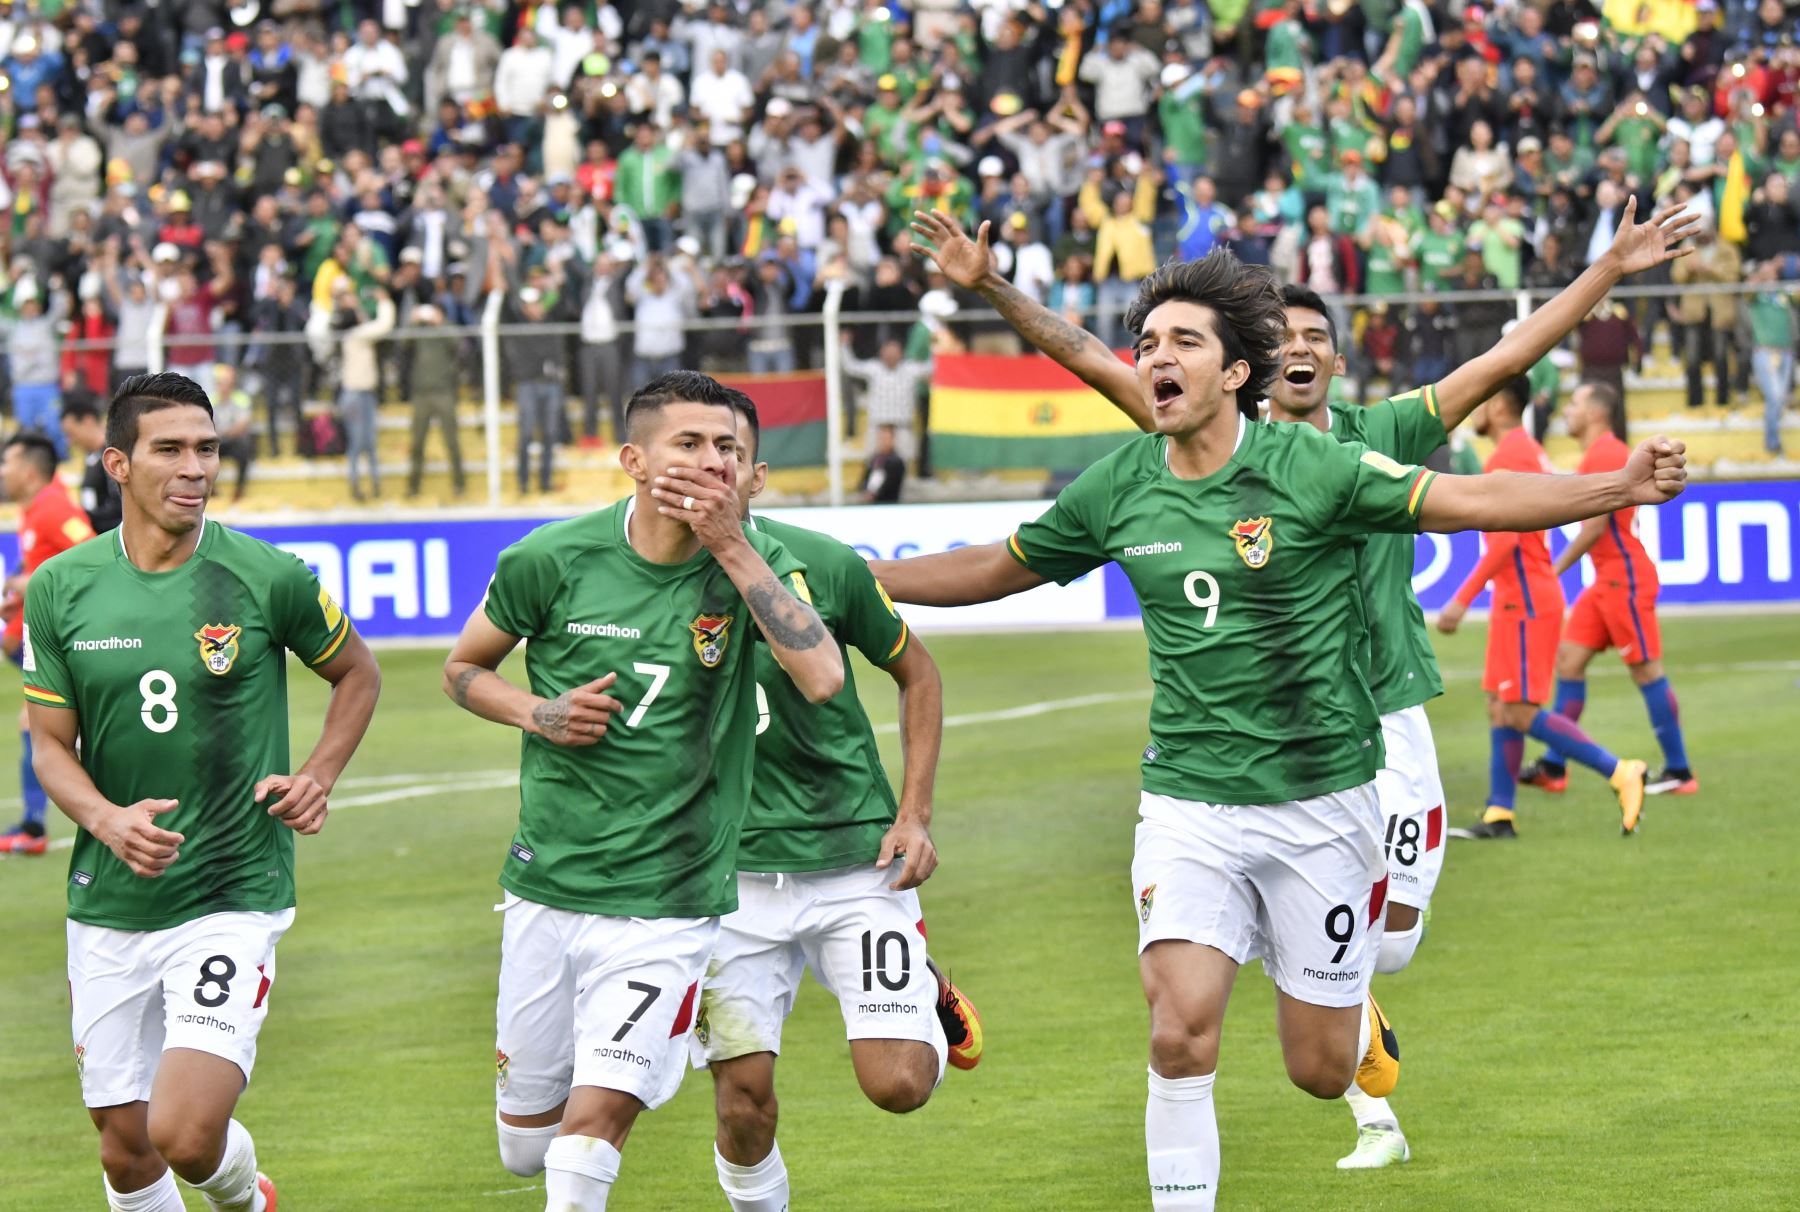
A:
(323, 172)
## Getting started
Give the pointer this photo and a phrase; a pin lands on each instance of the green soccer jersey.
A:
(1440, 257)
(820, 798)
(646, 822)
(179, 680)
(1248, 586)
(1403, 669)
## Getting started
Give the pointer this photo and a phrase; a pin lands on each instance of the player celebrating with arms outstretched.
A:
(639, 729)
(1260, 829)
(155, 666)
(827, 874)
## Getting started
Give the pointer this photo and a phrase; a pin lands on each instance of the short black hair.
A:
(1249, 315)
(1608, 397)
(37, 449)
(149, 393)
(676, 387)
(1516, 390)
(82, 405)
(746, 409)
(1294, 295)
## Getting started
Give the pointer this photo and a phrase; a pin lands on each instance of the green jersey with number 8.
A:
(1247, 580)
(1403, 669)
(179, 679)
(821, 798)
(644, 823)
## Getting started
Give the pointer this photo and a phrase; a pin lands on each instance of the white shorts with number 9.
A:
(587, 1000)
(1300, 884)
(202, 985)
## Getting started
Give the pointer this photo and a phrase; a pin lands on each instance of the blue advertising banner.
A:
(420, 577)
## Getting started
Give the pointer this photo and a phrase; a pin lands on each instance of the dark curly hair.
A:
(1248, 314)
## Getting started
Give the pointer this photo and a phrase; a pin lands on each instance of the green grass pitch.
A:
(1592, 1023)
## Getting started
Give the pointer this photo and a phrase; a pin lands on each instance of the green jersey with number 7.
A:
(645, 823)
(1247, 580)
(180, 682)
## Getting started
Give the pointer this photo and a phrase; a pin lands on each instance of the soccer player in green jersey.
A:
(1402, 669)
(827, 873)
(1261, 831)
(641, 622)
(155, 664)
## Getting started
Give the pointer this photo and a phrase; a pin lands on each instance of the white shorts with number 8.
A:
(1300, 884)
(1412, 805)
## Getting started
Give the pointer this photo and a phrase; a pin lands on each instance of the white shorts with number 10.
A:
(1300, 884)
(1412, 808)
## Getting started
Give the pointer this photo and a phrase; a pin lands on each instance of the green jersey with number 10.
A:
(821, 798)
(1403, 669)
(1247, 579)
(179, 679)
(644, 823)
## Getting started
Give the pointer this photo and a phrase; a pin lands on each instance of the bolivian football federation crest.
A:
(711, 633)
(502, 1063)
(1254, 539)
(1146, 901)
(219, 646)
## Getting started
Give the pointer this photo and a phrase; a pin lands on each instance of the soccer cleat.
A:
(960, 1019)
(1673, 780)
(1628, 784)
(1495, 822)
(1379, 1071)
(266, 1186)
(1377, 1145)
(1546, 776)
(20, 842)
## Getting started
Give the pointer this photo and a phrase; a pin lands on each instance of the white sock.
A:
(232, 1188)
(1363, 1038)
(579, 1171)
(940, 1043)
(160, 1196)
(1369, 1110)
(759, 1188)
(1181, 1136)
(522, 1149)
(1397, 947)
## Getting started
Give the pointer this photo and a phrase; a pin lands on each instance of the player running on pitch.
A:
(155, 664)
(826, 874)
(1256, 837)
(1523, 628)
(638, 730)
(1403, 672)
(1618, 610)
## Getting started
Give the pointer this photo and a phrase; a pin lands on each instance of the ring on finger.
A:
(687, 503)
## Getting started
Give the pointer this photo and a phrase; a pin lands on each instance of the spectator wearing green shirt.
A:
(1352, 197)
(1772, 337)
(1289, 45)
(1502, 240)
(1308, 151)
(1545, 379)
(1786, 159)
(648, 185)
(1441, 249)
(1181, 111)
(1388, 255)
(1637, 127)
(1567, 162)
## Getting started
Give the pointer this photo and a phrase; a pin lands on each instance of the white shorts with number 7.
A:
(587, 1000)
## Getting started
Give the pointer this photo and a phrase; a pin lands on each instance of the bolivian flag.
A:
(791, 410)
(991, 411)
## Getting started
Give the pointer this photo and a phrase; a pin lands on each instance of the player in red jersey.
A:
(1617, 610)
(49, 522)
(1523, 630)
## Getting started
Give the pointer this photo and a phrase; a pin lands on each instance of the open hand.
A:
(964, 261)
(132, 834)
(1641, 246)
(579, 717)
(1656, 471)
(704, 501)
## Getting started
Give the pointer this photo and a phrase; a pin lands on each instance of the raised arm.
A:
(961, 577)
(921, 738)
(970, 265)
(1636, 247)
(1516, 501)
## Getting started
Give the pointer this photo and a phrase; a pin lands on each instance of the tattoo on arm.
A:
(1037, 323)
(459, 689)
(784, 618)
(552, 717)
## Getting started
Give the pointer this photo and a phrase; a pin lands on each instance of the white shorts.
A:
(1412, 803)
(134, 993)
(1301, 885)
(864, 942)
(587, 1000)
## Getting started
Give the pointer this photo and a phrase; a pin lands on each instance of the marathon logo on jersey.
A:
(1254, 539)
(711, 633)
(219, 646)
(1146, 902)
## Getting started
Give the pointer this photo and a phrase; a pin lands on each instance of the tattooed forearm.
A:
(784, 618)
(459, 685)
(552, 718)
(1045, 329)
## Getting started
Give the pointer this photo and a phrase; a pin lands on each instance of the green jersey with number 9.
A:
(1247, 580)
(644, 823)
(821, 798)
(179, 680)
